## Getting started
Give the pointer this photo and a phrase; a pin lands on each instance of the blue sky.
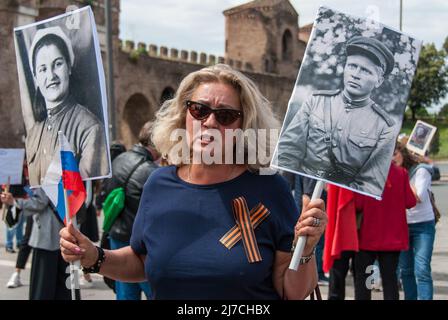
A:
(199, 25)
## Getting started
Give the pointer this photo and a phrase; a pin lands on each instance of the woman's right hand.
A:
(76, 246)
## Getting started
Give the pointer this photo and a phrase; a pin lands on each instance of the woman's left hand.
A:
(312, 223)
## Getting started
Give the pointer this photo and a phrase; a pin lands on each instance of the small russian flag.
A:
(63, 172)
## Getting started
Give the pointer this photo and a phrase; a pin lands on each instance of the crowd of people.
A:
(395, 235)
(223, 231)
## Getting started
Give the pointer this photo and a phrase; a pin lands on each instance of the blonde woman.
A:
(194, 236)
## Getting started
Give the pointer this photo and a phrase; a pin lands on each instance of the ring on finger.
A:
(316, 222)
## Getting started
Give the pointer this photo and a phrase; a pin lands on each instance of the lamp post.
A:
(110, 69)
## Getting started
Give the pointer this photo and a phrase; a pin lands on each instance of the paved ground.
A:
(100, 291)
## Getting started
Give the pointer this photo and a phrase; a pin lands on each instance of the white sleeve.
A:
(422, 182)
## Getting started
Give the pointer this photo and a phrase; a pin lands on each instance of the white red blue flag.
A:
(63, 173)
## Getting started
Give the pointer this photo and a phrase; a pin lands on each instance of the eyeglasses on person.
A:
(201, 111)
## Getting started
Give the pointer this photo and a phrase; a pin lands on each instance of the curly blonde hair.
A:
(256, 108)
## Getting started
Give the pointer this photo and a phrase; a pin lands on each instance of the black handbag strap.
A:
(317, 292)
(132, 172)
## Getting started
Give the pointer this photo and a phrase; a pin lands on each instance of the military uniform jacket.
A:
(360, 144)
(84, 132)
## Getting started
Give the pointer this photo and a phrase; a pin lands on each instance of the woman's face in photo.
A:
(52, 74)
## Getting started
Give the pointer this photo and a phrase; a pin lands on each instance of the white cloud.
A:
(183, 24)
(195, 24)
(199, 25)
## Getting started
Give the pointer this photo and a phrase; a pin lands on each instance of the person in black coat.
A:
(130, 170)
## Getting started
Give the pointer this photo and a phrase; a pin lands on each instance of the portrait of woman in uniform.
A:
(54, 100)
(347, 106)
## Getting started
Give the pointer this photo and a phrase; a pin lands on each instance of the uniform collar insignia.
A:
(351, 103)
(67, 102)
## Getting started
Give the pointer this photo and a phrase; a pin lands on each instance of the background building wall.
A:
(145, 75)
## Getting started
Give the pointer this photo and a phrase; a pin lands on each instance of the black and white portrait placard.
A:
(347, 106)
(421, 137)
(62, 88)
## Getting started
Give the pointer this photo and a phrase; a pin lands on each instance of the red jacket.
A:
(341, 234)
(384, 226)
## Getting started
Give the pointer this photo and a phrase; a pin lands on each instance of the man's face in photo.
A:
(361, 76)
(421, 132)
(52, 73)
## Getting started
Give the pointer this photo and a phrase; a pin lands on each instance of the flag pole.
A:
(5, 205)
(76, 265)
(301, 241)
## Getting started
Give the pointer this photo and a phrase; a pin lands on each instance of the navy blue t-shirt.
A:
(179, 224)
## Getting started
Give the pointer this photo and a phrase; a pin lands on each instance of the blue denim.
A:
(415, 263)
(125, 290)
(17, 230)
(319, 256)
(298, 191)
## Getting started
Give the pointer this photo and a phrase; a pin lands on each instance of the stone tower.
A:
(12, 14)
(261, 41)
(264, 32)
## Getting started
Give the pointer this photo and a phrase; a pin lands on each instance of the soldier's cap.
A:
(55, 31)
(373, 49)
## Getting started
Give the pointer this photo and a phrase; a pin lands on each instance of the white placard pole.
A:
(74, 266)
(301, 241)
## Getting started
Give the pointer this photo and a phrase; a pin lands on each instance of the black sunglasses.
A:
(201, 111)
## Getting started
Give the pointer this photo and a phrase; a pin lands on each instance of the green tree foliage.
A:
(431, 80)
(444, 111)
(422, 113)
(88, 3)
(434, 148)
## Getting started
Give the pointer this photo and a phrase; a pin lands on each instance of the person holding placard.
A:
(383, 234)
(16, 227)
(194, 236)
(131, 170)
(415, 263)
(48, 269)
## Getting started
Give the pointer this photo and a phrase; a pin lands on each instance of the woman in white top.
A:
(415, 263)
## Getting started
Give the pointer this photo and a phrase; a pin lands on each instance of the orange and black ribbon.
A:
(246, 222)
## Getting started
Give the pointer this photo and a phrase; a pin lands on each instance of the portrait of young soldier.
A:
(343, 135)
